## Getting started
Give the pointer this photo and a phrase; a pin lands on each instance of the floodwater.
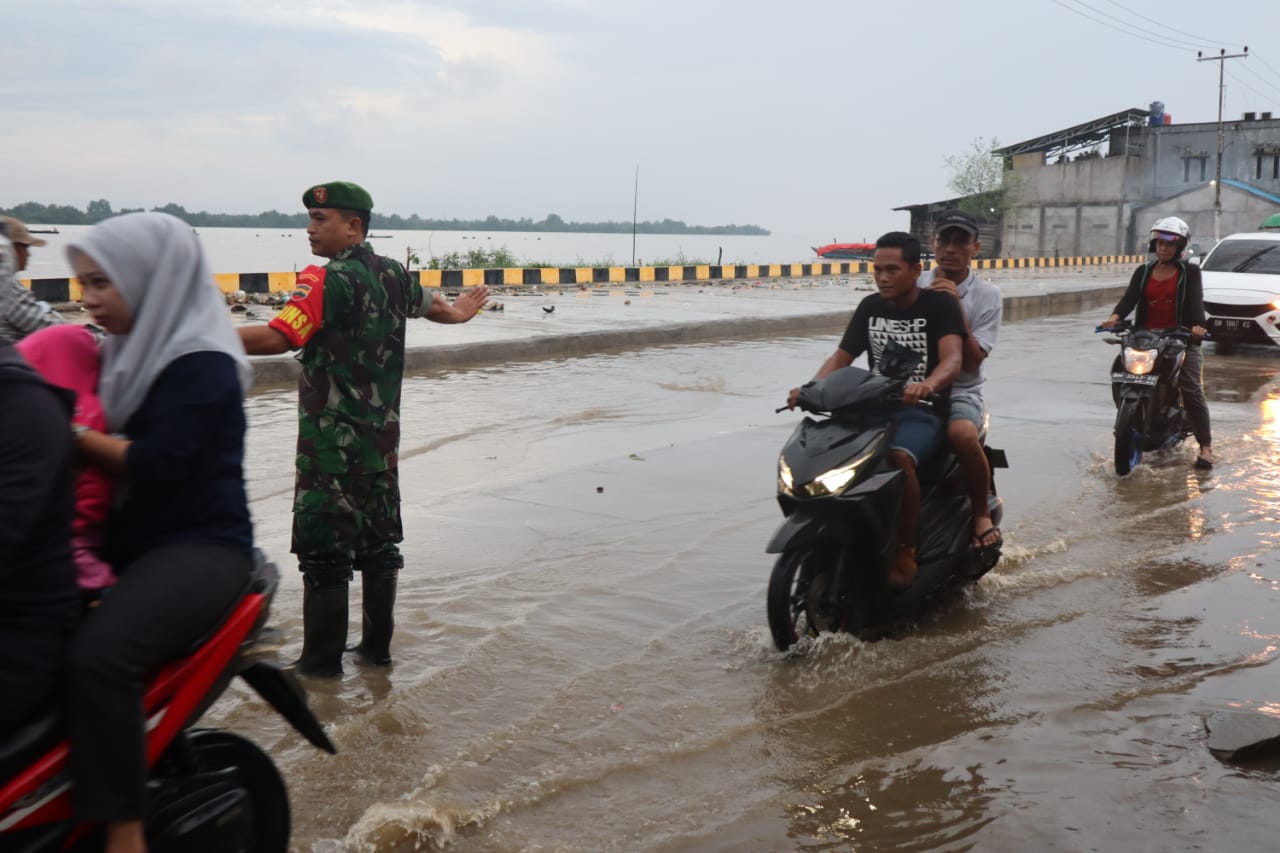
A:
(583, 661)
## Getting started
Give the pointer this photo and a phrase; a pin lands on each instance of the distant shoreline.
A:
(32, 212)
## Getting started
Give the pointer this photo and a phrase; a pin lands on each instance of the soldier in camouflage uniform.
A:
(348, 320)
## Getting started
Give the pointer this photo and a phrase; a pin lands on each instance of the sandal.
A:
(982, 537)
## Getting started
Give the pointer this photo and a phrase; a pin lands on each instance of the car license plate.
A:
(1134, 378)
(1221, 325)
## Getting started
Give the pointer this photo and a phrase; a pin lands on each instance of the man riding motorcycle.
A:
(929, 322)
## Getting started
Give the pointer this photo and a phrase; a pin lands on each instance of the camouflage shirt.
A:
(348, 318)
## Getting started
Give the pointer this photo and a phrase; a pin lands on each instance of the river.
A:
(583, 661)
(236, 250)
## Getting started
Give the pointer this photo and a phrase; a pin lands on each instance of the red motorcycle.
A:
(208, 791)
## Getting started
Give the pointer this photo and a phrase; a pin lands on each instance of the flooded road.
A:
(583, 661)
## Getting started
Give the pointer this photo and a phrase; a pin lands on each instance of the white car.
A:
(1242, 289)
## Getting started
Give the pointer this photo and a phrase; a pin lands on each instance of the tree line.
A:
(100, 209)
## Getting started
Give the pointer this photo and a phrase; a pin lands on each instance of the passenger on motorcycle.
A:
(68, 356)
(39, 600)
(928, 322)
(1167, 293)
(180, 541)
(955, 244)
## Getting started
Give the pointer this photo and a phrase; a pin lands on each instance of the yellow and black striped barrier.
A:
(68, 289)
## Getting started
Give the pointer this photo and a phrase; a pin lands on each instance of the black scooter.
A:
(1144, 386)
(841, 496)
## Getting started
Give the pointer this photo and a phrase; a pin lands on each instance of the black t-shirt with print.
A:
(876, 322)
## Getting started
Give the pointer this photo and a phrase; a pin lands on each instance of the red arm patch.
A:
(303, 315)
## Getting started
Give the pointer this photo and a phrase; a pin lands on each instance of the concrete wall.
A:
(1052, 230)
(1241, 211)
(1099, 179)
(1166, 149)
(1080, 207)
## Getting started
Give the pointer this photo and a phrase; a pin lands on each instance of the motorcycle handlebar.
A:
(1125, 326)
(932, 400)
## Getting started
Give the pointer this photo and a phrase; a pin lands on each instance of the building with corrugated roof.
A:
(1095, 188)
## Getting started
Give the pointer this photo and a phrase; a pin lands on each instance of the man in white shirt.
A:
(955, 244)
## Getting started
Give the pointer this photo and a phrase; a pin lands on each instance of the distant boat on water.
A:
(379, 236)
(43, 231)
(846, 251)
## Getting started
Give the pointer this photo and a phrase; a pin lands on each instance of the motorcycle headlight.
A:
(1139, 361)
(786, 484)
(835, 481)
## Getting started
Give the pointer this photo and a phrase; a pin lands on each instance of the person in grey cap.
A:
(20, 312)
(955, 245)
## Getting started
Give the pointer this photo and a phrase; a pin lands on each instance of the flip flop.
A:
(978, 547)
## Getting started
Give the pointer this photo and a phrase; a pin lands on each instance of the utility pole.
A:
(1221, 59)
(635, 206)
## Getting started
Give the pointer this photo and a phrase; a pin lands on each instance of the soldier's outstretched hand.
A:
(469, 302)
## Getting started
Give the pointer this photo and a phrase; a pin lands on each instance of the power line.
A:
(1250, 88)
(1198, 43)
(1143, 37)
(1267, 65)
(1264, 80)
(1201, 39)
(1151, 37)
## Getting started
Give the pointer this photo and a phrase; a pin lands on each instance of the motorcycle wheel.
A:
(215, 750)
(1129, 428)
(800, 599)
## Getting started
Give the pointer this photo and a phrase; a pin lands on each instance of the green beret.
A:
(340, 194)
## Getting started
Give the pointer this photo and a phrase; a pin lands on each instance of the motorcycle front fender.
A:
(1126, 391)
(798, 529)
(281, 690)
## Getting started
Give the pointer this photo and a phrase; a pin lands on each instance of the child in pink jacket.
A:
(68, 356)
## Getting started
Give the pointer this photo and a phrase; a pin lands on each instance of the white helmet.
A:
(1172, 225)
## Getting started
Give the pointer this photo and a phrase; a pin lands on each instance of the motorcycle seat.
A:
(935, 468)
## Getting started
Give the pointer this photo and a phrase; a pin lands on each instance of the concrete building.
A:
(1095, 188)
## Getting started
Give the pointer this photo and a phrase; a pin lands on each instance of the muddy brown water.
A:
(583, 661)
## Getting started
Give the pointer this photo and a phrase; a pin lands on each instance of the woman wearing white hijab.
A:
(179, 539)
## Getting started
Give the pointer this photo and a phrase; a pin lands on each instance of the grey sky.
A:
(803, 117)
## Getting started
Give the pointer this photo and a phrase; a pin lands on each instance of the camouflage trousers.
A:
(343, 523)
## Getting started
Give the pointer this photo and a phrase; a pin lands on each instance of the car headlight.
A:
(1276, 304)
(835, 481)
(1139, 361)
(786, 484)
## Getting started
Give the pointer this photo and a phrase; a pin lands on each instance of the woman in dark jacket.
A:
(1168, 292)
(39, 600)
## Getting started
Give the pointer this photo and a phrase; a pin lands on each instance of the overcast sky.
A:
(799, 116)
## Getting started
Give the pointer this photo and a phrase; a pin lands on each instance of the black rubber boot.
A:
(324, 630)
(379, 597)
